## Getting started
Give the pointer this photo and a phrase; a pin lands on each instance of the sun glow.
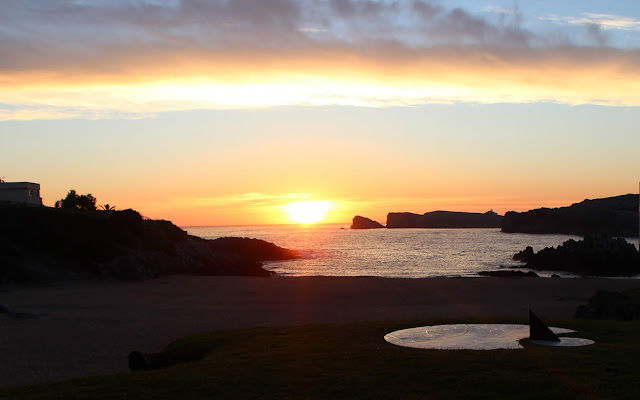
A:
(307, 212)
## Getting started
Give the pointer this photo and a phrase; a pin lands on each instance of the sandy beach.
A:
(89, 328)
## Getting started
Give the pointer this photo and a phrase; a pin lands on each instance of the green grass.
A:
(353, 361)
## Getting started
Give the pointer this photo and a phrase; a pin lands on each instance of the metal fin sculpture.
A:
(538, 330)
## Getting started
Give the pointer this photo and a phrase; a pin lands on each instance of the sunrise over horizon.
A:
(251, 112)
(319, 199)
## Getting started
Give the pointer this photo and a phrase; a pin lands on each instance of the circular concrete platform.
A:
(473, 337)
(564, 342)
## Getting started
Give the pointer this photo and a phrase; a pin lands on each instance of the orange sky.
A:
(213, 113)
(242, 167)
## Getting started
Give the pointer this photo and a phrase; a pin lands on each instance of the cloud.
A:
(426, 9)
(595, 30)
(606, 21)
(248, 199)
(137, 57)
(367, 8)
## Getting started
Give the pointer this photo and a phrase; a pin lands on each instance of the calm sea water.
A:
(331, 250)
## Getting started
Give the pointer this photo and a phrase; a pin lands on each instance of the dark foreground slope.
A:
(613, 216)
(444, 219)
(46, 244)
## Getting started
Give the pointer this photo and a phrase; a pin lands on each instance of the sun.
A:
(307, 212)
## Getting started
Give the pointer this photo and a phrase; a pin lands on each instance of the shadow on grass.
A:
(353, 361)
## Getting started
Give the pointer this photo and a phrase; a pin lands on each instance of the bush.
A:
(73, 201)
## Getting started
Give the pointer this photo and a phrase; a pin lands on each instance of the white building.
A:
(20, 193)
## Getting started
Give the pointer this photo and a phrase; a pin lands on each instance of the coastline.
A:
(88, 328)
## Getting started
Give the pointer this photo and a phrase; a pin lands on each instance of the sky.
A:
(225, 112)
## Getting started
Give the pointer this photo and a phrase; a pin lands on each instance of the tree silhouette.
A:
(73, 201)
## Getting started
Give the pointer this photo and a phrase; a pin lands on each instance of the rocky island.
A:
(433, 219)
(444, 219)
(365, 223)
(613, 216)
(42, 244)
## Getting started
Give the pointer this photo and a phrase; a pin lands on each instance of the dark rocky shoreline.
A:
(595, 255)
(42, 244)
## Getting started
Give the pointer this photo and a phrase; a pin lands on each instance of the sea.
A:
(336, 250)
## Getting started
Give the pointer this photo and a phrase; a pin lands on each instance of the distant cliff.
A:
(365, 223)
(46, 244)
(444, 219)
(613, 216)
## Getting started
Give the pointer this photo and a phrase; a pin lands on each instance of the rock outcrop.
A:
(595, 255)
(46, 244)
(5, 313)
(365, 223)
(444, 219)
(605, 305)
(509, 274)
(613, 216)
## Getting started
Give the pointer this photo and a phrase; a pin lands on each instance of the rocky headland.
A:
(594, 256)
(613, 216)
(444, 219)
(45, 244)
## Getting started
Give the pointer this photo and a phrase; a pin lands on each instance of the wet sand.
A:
(89, 328)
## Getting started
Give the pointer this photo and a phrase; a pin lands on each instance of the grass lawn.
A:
(353, 361)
